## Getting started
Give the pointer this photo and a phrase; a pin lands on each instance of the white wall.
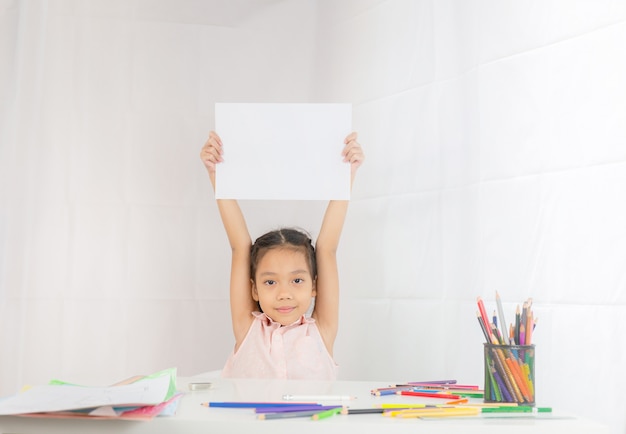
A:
(494, 134)
(113, 259)
(496, 143)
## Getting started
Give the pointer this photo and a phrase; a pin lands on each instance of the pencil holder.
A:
(510, 373)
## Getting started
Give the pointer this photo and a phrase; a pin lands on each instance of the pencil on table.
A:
(363, 410)
(326, 414)
(288, 415)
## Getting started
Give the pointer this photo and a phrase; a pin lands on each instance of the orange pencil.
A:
(529, 326)
(518, 378)
(458, 401)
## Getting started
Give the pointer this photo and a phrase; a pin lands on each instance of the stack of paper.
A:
(139, 398)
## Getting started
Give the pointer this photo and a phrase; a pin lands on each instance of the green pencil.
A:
(326, 413)
(518, 409)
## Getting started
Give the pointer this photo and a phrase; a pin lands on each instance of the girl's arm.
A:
(326, 310)
(241, 301)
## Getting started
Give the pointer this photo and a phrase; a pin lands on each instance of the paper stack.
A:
(139, 398)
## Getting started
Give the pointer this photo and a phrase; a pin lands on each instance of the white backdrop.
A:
(495, 134)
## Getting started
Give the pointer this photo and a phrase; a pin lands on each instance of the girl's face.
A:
(283, 285)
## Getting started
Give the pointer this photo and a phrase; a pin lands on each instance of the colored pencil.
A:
(482, 326)
(501, 313)
(389, 406)
(483, 314)
(458, 401)
(390, 390)
(433, 382)
(326, 414)
(290, 408)
(519, 409)
(529, 327)
(490, 404)
(397, 411)
(428, 394)
(394, 388)
(517, 324)
(363, 410)
(446, 386)
(437, 412)
(496, 335)
(238, 404)
(318, 397)
(287, 415)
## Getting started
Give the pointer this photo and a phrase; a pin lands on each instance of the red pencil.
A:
(428, 395)
(483, 314)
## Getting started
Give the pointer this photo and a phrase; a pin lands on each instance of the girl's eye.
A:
(298, 280)
(270, 282)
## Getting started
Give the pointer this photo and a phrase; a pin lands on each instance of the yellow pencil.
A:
(404, 405)
(443, 412)
(401, 411)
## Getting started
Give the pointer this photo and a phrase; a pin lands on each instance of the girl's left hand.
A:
(211, 152)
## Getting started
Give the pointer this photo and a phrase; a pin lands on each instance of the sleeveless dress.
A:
(269, 350)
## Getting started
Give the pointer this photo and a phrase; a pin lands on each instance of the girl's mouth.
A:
(285, 309)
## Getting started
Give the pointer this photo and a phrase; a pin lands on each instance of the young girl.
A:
(272, 285)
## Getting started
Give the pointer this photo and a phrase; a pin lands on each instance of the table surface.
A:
(193, 417)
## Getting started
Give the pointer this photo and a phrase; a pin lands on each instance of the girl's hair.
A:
(286, 237)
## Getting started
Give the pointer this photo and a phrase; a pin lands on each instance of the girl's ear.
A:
(314, 291)
(255, 294)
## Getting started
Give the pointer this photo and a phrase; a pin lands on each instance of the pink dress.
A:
(270, 350)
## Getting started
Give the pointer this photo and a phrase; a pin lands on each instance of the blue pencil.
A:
(237, 404)
(283, 409)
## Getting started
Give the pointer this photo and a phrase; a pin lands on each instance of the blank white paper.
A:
(282, 151)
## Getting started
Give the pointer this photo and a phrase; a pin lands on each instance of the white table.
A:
(192, 417)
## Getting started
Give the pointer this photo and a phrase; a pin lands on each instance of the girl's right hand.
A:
(211, 152)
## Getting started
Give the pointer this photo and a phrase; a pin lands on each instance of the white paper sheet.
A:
(50, 398)
(283, 151)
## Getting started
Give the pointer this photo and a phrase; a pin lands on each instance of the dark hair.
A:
(286, 237)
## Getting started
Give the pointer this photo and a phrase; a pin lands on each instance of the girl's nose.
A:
(284, 294)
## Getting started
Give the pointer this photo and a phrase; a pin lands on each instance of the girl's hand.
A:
(211, 152)
(353, 153)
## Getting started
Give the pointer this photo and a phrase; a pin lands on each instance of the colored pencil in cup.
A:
(483, 314)
(502, 320)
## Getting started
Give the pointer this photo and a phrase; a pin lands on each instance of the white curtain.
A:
(495, 134)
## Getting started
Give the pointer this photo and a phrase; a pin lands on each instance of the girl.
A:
(272, 285)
